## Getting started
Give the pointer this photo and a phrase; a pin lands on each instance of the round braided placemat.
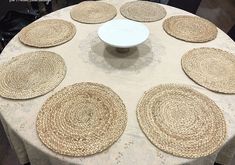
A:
(143, 11)
(81, 119)
(211, 68)
(47, 33)
(190, 28)
(31, 74)
(93, 12)
(181, 121)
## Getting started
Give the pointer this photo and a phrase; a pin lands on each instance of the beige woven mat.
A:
(181, 121)
(93, 12)
(190, 28)
(47, 33)
(143, 11)
(211, 68)
(81, 119)
(31, 74)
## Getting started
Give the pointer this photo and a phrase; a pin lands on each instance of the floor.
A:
(7, 155)
(220, 12)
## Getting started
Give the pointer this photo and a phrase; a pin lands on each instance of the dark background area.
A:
(5, 6)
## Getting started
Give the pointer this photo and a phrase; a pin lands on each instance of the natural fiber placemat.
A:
(47, 33)
(211, 68)
(81, 119)
(190, 28)
(143, 11)
(31, 74)
(181, 121)
(93, 12)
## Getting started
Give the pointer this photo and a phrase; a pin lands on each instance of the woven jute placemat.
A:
(143, 11)
(211, 68)
(190, 28)
(181, 121)
(47, 33)
(92, 12)
(81, 119)
(31, 74)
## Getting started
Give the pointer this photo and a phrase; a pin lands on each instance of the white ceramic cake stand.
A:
(123, 34)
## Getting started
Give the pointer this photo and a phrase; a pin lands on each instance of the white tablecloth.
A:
(155, 62)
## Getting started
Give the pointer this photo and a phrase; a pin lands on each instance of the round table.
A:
(154, 62)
